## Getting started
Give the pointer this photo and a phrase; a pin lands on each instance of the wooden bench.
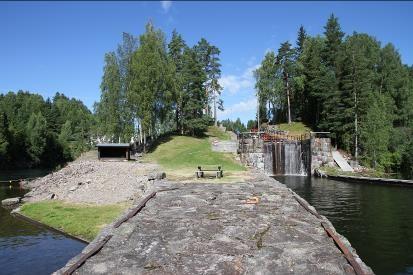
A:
(217, 169)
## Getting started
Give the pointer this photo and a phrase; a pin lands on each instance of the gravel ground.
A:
(88, 180)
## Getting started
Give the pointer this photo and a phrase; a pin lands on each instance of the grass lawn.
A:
(80, 220)
(295, 128)
(218, 133)
(180, 156)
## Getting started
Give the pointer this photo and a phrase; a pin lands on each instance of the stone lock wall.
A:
(252, 153)
(317, 151)
(255, 160)
(321, 153)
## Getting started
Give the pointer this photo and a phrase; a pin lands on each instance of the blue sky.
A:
(46, 47)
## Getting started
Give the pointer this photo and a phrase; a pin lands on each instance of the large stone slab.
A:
(10, 201)
(205, 228)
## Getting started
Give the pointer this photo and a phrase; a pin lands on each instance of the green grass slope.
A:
(295, 128)
(180, 155)
(217, 133)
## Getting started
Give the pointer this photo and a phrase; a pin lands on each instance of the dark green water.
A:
(376, 219)
(24, 247)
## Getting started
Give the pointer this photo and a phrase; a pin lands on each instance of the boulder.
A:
(156, 176)
(10, 201)
(319, 173)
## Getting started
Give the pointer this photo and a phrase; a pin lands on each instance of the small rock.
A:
(73, 188)
(79, 183)
(157, 176)
(10, 201)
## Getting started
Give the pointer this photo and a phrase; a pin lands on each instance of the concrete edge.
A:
(368, 180)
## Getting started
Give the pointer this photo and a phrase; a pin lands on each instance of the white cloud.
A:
(166, 5)
(234, 83)
(246, 106)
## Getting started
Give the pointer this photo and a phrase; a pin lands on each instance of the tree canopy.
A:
(161, 87)
(350, 85)
(38, 132)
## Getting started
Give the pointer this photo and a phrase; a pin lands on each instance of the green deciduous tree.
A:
(270, 87)
(36, 136)
(151, 76)
(375, 131)
(109, 110)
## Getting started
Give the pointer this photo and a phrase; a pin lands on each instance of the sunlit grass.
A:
(80, 220)
(214, 131)
(295, 128)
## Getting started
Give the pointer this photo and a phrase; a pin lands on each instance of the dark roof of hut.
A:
(117, 145)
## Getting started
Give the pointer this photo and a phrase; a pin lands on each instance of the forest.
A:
(42, 133)
(149, 88)
(349, 85)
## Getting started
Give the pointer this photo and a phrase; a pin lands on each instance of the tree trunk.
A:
(140, 132)
(288, 100)
(258, 112)
(144, 142)
(177, 118)
(356, 137)
(215, 109)
(207, 103)
(355, 113)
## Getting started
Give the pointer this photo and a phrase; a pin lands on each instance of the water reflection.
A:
(26, 248)
(377, 220)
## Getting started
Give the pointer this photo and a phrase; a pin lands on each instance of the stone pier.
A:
(208, 228)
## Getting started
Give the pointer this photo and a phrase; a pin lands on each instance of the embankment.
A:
(87, 194)
(233, 228)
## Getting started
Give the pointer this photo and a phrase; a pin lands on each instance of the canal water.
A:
(376, 219)
(24, 247)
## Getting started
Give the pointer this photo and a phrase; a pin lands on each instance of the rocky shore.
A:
(87, 180)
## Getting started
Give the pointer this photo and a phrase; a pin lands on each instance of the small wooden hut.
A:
(114, 150)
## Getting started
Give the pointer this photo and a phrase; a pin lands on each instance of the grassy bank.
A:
(217, 133)
(295, 128)
(370, 173)
(80, 220)
(180, 156)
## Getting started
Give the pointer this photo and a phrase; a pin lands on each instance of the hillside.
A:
(179, 156)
